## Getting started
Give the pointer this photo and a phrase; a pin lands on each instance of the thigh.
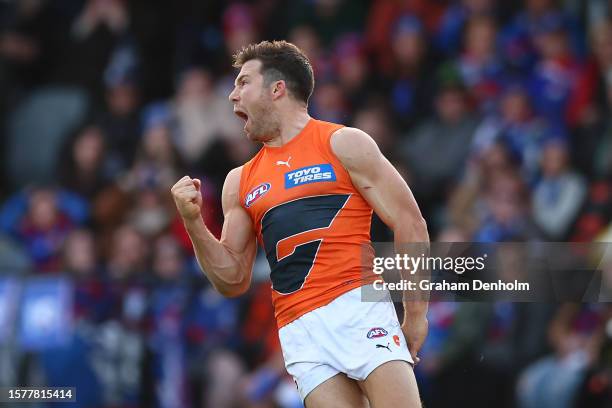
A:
(337, 392)
(392, 384)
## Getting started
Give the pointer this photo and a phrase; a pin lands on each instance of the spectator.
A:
(505, 215)
(519, 35)
(466, 203)
(374, 120)
(481, 69)
(125, 271)
(588, 99)
(239, 27)
(168, 301)
(558, 195)
(212, 333)
(41, 220)
(448, 36)
(120, 121)
(202, 115)
(151, 214)
(555, 76)
(83, 168)
(383, 14)
(92, 297)
(519, 129)
(596, 212)
(404, 71)
(328, 101)
(459, 335)
(447, 135)
(118, 341)
(331, 18)
(158, 162)
(31, 37)
(575, 333)
(91, 40)
(127, 258)
(307, 39)
(591, 106)
(596, 390)
(353, 69)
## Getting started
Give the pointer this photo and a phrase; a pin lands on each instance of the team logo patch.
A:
(310, 174)
(257, 193)
(396, 339)
(377, 332)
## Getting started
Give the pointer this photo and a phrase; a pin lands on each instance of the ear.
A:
(279, 88)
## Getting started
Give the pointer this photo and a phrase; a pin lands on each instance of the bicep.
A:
(237, 235)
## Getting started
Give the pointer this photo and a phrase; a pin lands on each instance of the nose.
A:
(233, 96)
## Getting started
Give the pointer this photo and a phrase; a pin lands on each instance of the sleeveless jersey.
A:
(313, 224)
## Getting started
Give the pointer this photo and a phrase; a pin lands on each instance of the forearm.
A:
(411, 238)
(221, 267)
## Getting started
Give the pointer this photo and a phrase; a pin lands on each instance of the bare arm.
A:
(228, 262)
(386, 191)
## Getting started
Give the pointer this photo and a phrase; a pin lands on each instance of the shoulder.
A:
(231, 187)
(353, 146)
(233, 177)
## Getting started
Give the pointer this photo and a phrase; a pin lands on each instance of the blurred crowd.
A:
(497, 113)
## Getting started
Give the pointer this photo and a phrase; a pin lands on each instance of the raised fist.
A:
(188, 197)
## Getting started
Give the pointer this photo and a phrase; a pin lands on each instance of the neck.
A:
(291, 124)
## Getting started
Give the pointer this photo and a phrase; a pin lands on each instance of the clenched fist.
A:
(188, 197)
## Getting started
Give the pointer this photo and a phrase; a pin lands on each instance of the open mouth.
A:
(242, 115)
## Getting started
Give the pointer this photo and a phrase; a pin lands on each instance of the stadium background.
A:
(497, 113)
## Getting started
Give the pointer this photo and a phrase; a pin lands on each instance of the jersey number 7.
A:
(292, 234)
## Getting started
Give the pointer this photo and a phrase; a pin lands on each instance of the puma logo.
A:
(281, 163)
(381, 346)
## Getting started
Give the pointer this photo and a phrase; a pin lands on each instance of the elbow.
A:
(234, 288)
(411, 229)
(232, 291)
(228, 281)
(421, 229)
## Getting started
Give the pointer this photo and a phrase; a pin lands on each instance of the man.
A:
(308, 196)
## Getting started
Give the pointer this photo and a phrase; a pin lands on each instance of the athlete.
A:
(307, 196)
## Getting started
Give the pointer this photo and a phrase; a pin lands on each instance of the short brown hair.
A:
(281, 60)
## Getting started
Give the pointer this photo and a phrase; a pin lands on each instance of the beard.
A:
(265, 124)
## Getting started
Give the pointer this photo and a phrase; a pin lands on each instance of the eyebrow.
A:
(240, 78)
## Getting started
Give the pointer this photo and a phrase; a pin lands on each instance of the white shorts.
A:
(345, 336)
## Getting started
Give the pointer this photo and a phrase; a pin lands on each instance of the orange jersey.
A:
(311, 221)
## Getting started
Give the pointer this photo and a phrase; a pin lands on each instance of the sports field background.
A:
(497, 113)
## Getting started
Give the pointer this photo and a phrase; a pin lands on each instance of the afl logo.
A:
(257, 193)
(377, 332)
